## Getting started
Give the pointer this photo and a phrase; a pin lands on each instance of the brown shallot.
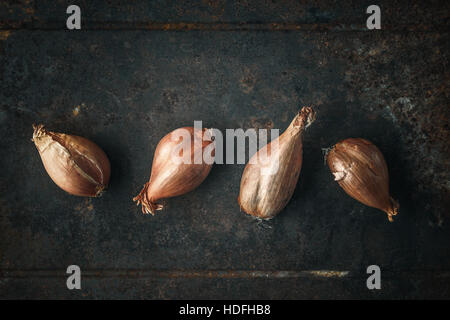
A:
(360, 169)
(76, 164)
(270, 177)
(182, 160)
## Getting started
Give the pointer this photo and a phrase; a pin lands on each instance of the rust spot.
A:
(76, 110)
(248, 80)
(328, 273)
(85, 207)
(29, 11)
(5, 34)
(258, 123)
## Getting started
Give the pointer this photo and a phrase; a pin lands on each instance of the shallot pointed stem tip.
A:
(304, 118)
(393, 210)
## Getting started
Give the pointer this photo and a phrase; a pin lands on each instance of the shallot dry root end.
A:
(147, 205)
(100, 188)
(263, 223)
(38, 131)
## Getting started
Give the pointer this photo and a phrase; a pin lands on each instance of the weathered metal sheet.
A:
(136, 72)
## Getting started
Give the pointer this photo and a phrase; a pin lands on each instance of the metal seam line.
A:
(213, 274)
(146, 273)
(217, 26)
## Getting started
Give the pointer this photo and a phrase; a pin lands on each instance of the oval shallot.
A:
(360, 169)
(182, 160)
(270, 177)
(76, 164)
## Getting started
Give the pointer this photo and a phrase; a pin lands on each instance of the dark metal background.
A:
(140, 69)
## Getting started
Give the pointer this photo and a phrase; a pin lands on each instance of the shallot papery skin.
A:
(360, 169)
(270, 177)
(76, 164)
(170, 178)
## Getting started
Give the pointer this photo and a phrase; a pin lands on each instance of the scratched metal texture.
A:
(140, 69)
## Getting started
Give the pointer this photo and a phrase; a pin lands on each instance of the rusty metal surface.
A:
(136, 72)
